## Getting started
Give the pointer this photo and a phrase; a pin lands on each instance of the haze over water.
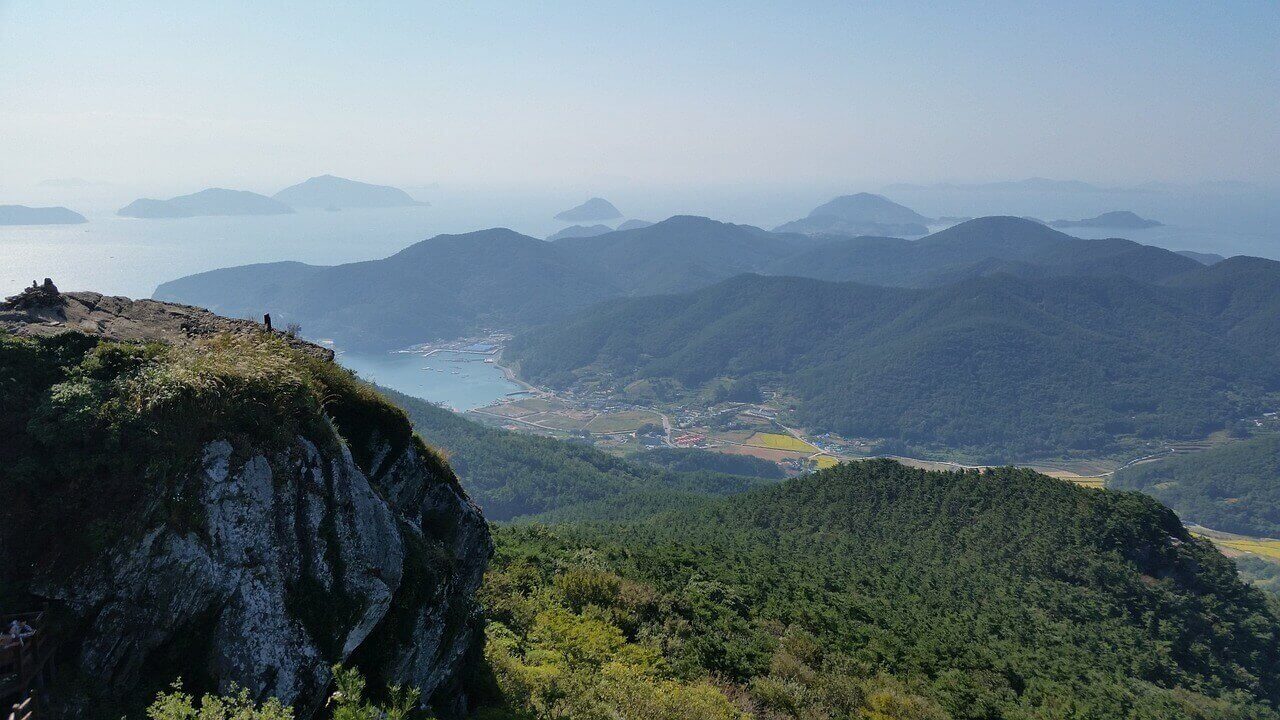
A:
(126, 256)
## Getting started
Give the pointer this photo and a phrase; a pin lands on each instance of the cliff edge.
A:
(195, 496)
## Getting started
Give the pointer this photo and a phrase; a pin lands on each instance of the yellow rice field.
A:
(777, 441)
(1266, 548)
(825, 461)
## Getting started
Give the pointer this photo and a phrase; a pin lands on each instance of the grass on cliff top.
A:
(257, 383)
(90, 429)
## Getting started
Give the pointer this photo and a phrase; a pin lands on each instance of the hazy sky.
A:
(260, 94)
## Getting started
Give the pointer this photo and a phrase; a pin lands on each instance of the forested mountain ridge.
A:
(442, 287)
(1005, 367)
(678, 254)
(966, 595)
(982, 246)
(453, 284)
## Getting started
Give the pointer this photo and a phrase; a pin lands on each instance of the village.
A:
(619, 426)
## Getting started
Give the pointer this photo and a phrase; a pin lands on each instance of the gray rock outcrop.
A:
(241, 556)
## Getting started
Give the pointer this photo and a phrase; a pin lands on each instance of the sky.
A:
(184, 95)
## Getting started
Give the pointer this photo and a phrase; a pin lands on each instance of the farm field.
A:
(538, 404)
(1093, 481)
(763, 453)
(825, 461)
(730, 436)
(1267, 549)
(778, 441)
(624, 421)
(510, 410)
(559, 421)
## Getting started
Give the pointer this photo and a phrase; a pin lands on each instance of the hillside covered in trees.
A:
(974, 248)
(1235, 487)
(512, 475)
(1004, 367)
(876, 590)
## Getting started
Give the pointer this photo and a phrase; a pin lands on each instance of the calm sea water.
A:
(129, 256)
(125, 256)
(461, 381)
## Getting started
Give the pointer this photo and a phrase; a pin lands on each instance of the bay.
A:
(459, 381)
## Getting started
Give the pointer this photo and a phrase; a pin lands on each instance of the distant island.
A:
(634, 224)
(593, 210)
(577, 231)
(214, 201)
(859, 214)
(23, 215)
(332, 193)
(1122, 219)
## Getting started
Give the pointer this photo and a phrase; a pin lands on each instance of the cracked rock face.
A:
(289, 563)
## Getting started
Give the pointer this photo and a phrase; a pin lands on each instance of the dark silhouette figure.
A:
(266, 320)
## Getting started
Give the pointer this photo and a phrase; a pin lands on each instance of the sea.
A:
(456, 380)
(130, 257)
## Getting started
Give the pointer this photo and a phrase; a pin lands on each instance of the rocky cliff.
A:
(197, 496)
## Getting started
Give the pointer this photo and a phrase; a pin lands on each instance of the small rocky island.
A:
(1119, 219)
(23, 215)
(334, 193)
(594, 210)
(213, 201)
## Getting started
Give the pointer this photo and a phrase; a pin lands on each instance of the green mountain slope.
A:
(439, 288)
(454, 284)
(1007, 367)
(1235, 488)
(514, 475)
(981, 247)
(678, 254)
(980, 595)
